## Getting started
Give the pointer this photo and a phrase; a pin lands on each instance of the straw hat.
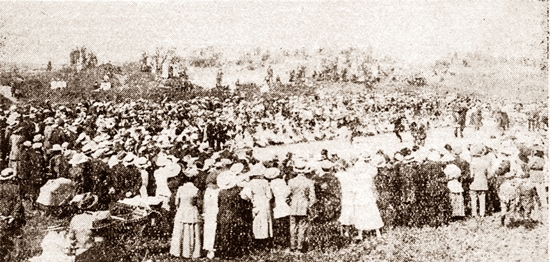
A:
(37, 138)
(272, 173)
(57, 147)
(78, 159)
(226, 180)
(191, 172)
(141, 162)
(7, 173)
(326, 165)
(300, 166)
(208, 163)
(477, 149)
(237, 168)
(113, 161)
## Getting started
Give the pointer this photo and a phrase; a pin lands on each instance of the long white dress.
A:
(367, 215)
(186, 240)
(281, 191)
(348, 184)
(210, 216)
(260, 195)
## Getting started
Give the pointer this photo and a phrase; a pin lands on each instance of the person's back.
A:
(479, 168)
(302, 195)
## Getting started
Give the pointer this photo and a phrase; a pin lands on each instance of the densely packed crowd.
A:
(194, 160)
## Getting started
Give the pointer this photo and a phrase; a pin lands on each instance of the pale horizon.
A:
(411, 31)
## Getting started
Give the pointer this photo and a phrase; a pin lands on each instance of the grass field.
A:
(470, 240)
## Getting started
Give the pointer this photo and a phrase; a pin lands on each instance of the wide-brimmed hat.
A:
(257, 170)
(88, 201)
(300, 166)
(326, 165)
(226, 180)
(37, 138)
(7, 173)
(237, 168)
(223, 162)
(409, 159)
(141, 162)
(113, 161)
(477, 149)
(189, 159)
(78, 159)
(208, 163)
(191, 172)
(272, 173)
(57, 147)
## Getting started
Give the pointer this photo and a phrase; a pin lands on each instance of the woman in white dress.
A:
(367, 215)
(186, 237)
(281, 210)
(259, 193)
(348, 184)
(210, 208)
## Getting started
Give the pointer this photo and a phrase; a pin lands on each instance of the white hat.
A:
(78, 159)
(113, 161)
(7, 173)
(300, 166)
(27, 144)
(272, 173)
(57, 147)
(37, 145)
(226, 180)
(237, 168)
(128, 159)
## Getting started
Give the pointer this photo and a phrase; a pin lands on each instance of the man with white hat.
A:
(302, 197)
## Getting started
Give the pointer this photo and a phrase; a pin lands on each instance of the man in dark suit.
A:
(302, 196)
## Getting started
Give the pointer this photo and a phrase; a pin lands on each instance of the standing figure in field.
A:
(459, 116)
(503, 122)
(479, 170)
(399, 127)
(186, 236)
(219, 78)
(302, 197)
(477, 118)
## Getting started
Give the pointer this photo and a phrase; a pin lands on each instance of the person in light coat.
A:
(479, 170)
(302, 197)
(281, 209)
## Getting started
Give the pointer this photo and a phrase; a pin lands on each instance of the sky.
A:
(409, 30)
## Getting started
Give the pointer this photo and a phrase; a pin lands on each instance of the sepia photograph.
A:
(151, 131)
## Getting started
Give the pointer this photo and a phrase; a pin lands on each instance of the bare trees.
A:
(81, 59)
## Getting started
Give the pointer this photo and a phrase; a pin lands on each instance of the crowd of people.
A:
(196, 159)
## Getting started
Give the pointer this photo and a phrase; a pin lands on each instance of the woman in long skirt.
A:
(367, 215)
(210, 215)
(186, 237)
(455, 187)
(232, 238)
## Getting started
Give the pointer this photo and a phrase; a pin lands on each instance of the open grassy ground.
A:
(470, 240)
